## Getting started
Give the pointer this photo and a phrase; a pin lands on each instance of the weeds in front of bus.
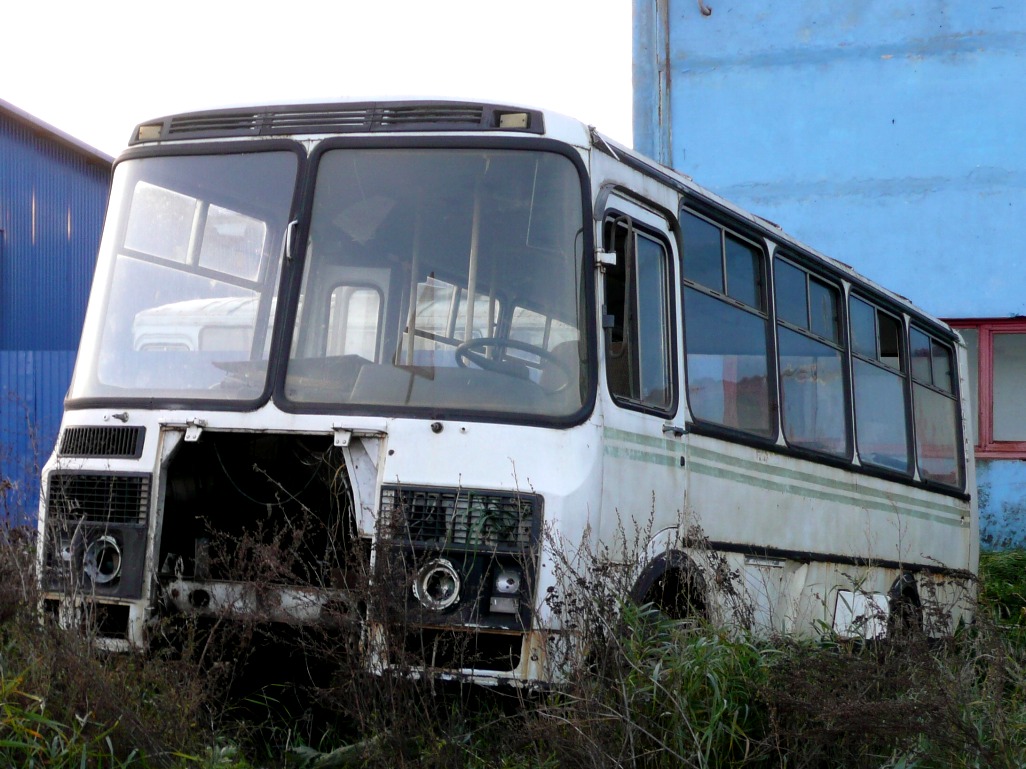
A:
(651, 683)
(645, 689)
(63, 702)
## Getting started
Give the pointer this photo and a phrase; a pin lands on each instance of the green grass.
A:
(654, 693)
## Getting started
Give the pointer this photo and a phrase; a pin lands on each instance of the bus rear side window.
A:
(936, 408)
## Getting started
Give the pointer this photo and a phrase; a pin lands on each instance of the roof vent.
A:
(369, 117)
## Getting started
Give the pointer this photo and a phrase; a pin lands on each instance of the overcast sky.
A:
(96, 69)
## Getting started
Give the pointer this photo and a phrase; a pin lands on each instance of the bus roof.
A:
(434, 116)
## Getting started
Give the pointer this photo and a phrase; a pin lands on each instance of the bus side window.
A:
(812, 374)
(637, 308)
(726, 328)
(879, 372)
(938, 447)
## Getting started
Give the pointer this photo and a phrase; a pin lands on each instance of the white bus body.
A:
(432, 349)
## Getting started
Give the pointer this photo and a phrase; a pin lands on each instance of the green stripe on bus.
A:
(844, 486)
(766, 476)
(640, 447)
(637, 455)
(786, 488)
(611, 433)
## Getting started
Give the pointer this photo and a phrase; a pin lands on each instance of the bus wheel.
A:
(673, 585)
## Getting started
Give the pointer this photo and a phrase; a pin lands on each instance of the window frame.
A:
(842, 344)
(986, 447)
(903, 371)
(615, 218)
(730, 227)
(953, 394)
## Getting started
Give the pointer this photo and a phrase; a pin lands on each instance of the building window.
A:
(997, 371)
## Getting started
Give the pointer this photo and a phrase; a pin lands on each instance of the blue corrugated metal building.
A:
(53, 192)
(889, 135)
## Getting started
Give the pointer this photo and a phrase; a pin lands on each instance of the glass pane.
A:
(621, 342)
(703, 254)
(529, 327)
(863, 328)
(744, 272)
(972, 342)
(653, 323)
(162, 327)
(880, 420)
(353, 328)
(232, 243)
(160, 222)
(726, 364)
(889, 328)
(792, 299)
(812, 394)
(922, 366)
(558, 338)
(937, 437)
(823, 301)
(482, 320)
(1009, 374)
(472, 235)
(433, 323)
(943, 370)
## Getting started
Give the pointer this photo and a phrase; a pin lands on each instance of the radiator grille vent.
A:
(367, 117)
(98, 498)
(461, 517)
(115, 442)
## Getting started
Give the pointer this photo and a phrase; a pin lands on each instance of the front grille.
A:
(462, 517)
(366, 117)
(98, 498)
(115, 442)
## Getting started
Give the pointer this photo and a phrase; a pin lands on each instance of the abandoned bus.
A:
(423, 347)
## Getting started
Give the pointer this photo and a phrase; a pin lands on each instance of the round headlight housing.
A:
(101, 561)
(437, 585)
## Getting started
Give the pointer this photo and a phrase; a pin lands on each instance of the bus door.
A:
(643, 473)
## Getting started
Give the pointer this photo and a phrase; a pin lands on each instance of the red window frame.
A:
(987, 447)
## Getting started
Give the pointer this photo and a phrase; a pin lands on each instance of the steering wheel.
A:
(468, 351)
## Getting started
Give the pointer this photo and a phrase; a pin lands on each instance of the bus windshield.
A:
(186, 278)
(443, 279)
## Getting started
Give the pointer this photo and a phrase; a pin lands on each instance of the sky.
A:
(95, 70)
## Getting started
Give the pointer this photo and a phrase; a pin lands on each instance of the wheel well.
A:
(906, 607)
(673, 584)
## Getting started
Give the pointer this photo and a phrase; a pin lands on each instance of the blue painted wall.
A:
(888, 134)
(53, 192)
(885, 133)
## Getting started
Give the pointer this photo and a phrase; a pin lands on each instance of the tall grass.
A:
(652, 692)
